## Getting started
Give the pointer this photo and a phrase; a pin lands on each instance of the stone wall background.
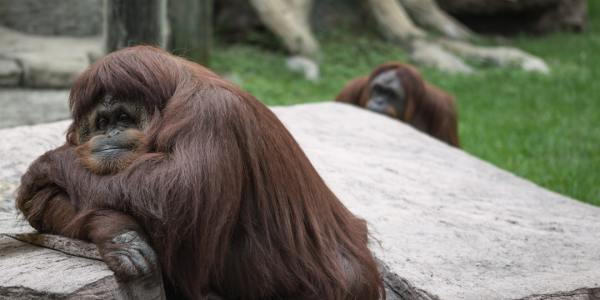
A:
(53, 17)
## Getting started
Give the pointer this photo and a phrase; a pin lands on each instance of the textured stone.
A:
(448, 225)
(19, 147)
(40, 70)
(10, 72)
(53, 17)
(303, 65)
(42, 266)
(32, 106)
(48, 62)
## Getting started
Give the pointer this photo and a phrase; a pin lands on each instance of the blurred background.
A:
(524, 73)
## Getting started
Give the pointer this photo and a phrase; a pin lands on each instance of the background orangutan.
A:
(399, 91)
(163, 153)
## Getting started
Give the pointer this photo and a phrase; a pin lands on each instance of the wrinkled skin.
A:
(387, 95)
(112, 137)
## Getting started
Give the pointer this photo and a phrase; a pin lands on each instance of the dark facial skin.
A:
(111, 136)
(387, 95)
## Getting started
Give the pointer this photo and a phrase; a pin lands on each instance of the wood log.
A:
(288, 20)
(394, 22)
(426, 13)
(135, 22)
(191, 29)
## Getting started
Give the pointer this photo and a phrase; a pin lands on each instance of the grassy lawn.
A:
(544, 128)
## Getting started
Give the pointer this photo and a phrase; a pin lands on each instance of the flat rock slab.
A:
(60, 269)
(18, 148)
(449, 225)
(53, 17)
(10, 72)
(44, 61)
(32, 106)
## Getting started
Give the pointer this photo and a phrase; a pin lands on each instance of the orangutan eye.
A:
(124, 118)
(382, 90)
(101, 123)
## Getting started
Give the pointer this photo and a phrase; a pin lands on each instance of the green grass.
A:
(543, 128)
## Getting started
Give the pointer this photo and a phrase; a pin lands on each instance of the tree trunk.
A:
(427, 14)
(497, 56)
(289, 21)
(191, 28)
(393, 21)
(135, 22)
(443, 54)
(433, 55)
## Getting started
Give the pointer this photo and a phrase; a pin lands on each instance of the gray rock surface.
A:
(60, 269)
(449, 225)
(53, 17)
(19, 147)
(32, 106)
(309, 68)
(48, 62)
(10, 73)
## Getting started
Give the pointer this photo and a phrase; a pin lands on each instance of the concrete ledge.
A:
(44, 61)
(449, 225)
(10, 73)
(53, 17)
(32, 106)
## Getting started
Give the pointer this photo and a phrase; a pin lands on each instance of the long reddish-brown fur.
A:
(228, 199)
(428, 108)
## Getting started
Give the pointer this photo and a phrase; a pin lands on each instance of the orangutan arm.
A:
(119, 238)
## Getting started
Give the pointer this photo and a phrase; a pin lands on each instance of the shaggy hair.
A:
(428, 108)
(226, 196)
